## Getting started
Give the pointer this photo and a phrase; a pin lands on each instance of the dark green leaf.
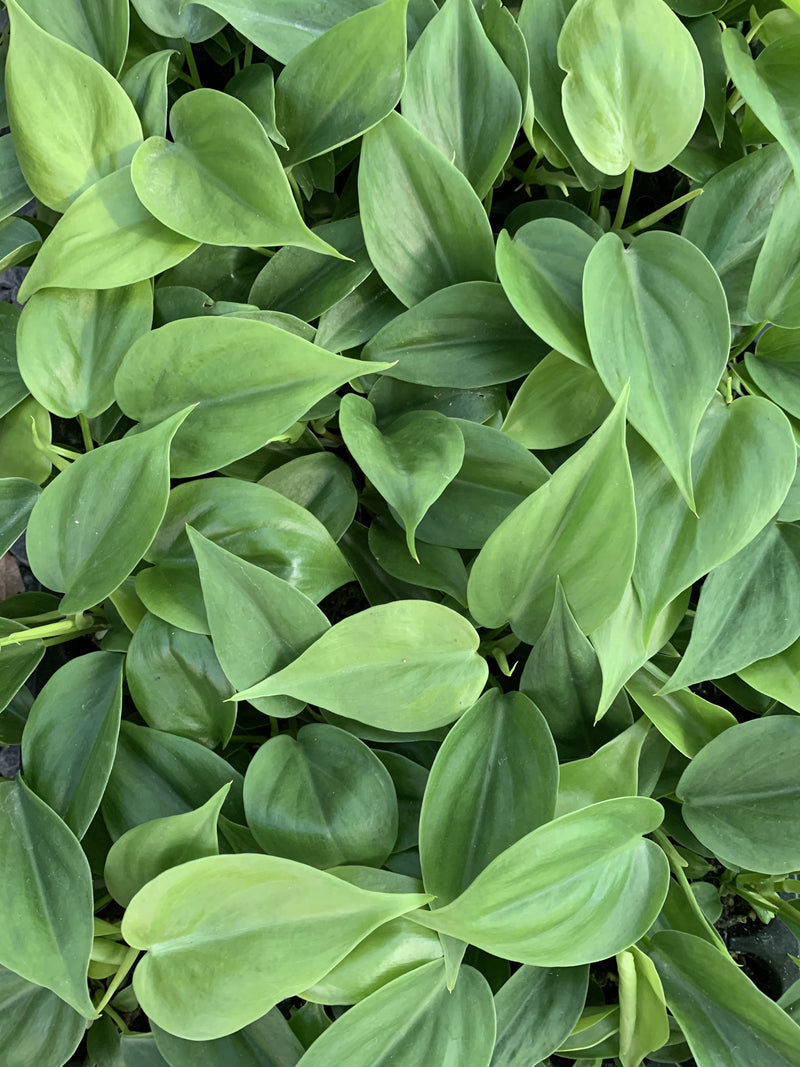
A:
(537, 1009)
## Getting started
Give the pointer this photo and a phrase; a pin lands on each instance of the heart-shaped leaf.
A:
(219, 180)
(656, 317)
(409, 665)
(259, 928)
(410, 464)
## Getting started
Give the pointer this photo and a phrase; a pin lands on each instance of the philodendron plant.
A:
(402, 419)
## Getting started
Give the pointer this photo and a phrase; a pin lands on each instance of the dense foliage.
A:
(405, 447)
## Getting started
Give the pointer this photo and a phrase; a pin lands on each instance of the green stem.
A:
(76, 624)
(117, 1019)
(295, 190)
(130, 958)
(594, 203)
(101, 902)
(487, 202)
(662, 212)
(676, 866)
(624, 197)
(194, 73)
(748, 339)
(248, 54)
(756, 26)
(88, 443)
(46, 616)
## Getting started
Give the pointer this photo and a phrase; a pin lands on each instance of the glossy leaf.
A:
(323, 799)
(344, 82)
(440, 234)
(18, 661)
(461, 95)
(19, 456)
(742, 466)
(420, 659)
(18, 241)
(558, 403)
(611, 771)
(146, 850)
(223, 163)
(541, 271)
(634, 90)
(775, 368)
(146, 84)
(410, 464)
(643, 1024)
(775, 289)
(238, 406)
(435, 567)
(741, 789)
(64, 141)
(724, 1016)
(175, 18)
(267, 625)
(70, 343)
(17, 497)
(494, 780)
(38, 1029)
(70, 738)
(198, 918)
(530, 905)
(729, 222)
(415, 1018)
(76, 542)
(537, 1009)
(48, 884)
(778, 676)
(100, 29)
(177, 683)
(587, 498)
(322, 484)
(736, 623)
(255, 86)
(769, 85)
(667, 334)
(465, 335)
(156, 774)
(105, 240)
(268, 1042)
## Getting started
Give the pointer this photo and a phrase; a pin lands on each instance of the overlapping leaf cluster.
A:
(388, 488)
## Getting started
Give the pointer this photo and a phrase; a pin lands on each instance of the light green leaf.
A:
(70, 343)
(440, 234)
(537, 1009)
(17, 497)
(687, 721)
(146, 850)
(19, 456)
(232, 188)
(729, 222)
(156, 774)
(47, 885)
(494, 780)
(344, 82)
(410, 665)
(300, 282)
(541, 271)
(253, 522)
(464, 336)
(105, 240)
(724, 1017)
(258, 928)
(77, 541)
(497, 475)
(239, 405)
(643, 1024)
(410, 464)
(775, 289)
(743, 463)
(14, 191)
(611, 771)
(775, 368)
(580, 526)
(37, 1029)
(179, 18)
(70, 738)
(770, 86)
(577, 889)
(68, 138)
(740, 792)
(414, 1019)
(177, 683)
(268, 1042)
(146, 84)
(99, 28)
(778, 676)
(323, 799)
(558, 403)
(656, 317)
(264, 626)
(634, 90)
(322, 484)
(461, 95)
(736, 621)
